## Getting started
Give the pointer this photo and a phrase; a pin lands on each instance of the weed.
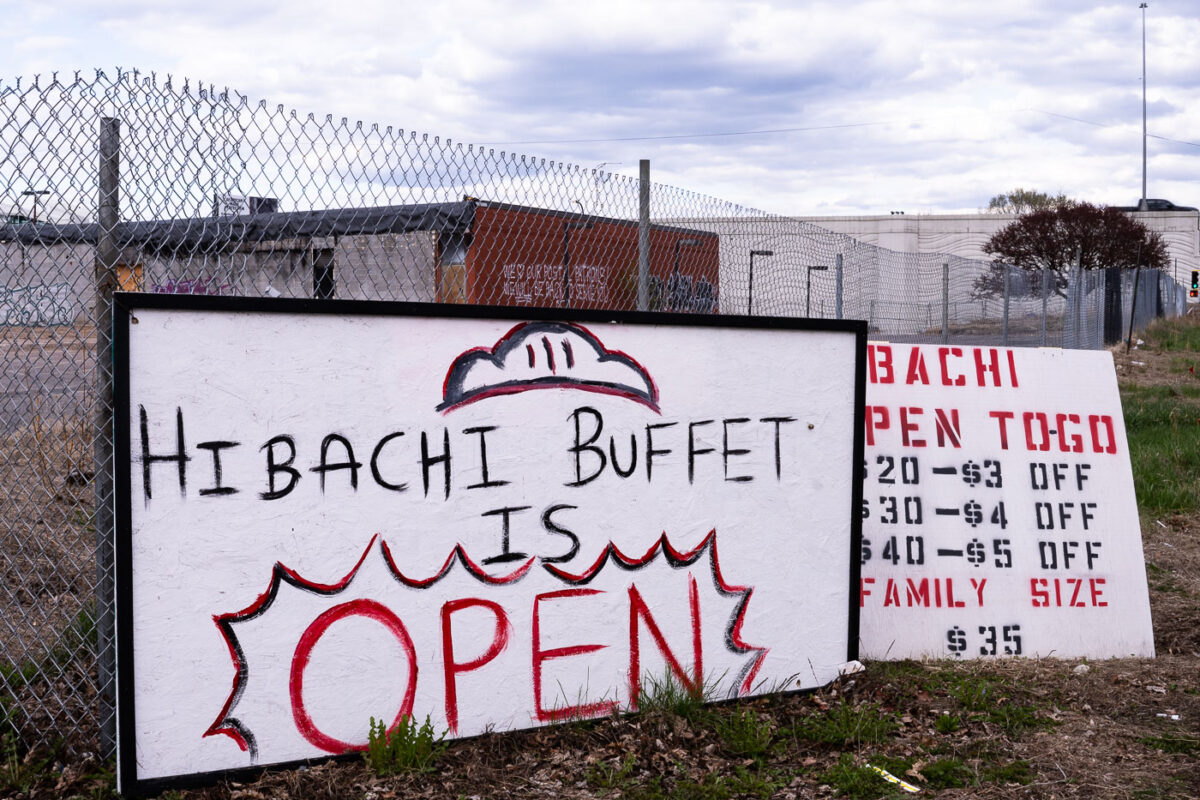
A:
(947, 724)
(746, 734)
(1013, 772)
(1015, 720)
(974, 693)
(847, 724)
(717, 787)
(652, 790)
(947, 773)
(668, 696)
(603, 775)
(896, 766)
(848, 779)
(1183, 745)
(406, 748)
(19, 774)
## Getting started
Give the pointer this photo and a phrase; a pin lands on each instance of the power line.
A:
(1109, 125)
(808, 129)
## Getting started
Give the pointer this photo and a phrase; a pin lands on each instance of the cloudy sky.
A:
(796, 108)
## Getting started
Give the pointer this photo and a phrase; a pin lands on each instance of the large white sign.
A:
(352, 513)
(998, 507)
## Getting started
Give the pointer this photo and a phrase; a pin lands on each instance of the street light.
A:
(567, 228)
(750, 288)
(808, 285)
(597, 179)
(34, 194)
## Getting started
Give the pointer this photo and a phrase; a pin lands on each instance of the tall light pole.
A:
(34, 193)
(808, 286)
(1143, 8)
(750, 288)
(597, 179)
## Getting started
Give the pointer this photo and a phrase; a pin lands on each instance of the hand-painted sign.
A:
(346, 511)
(998, 507)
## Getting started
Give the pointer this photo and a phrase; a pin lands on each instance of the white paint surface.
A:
(248, 377)
(966, 601)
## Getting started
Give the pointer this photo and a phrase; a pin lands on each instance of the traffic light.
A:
(1195, 291)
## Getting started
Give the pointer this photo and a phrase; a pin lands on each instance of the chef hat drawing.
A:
(545, 355)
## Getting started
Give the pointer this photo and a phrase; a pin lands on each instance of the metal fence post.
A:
(1080, 342)
(1133, 308)
(1045, 299)
(643, 298)
(1007, 296)
(945, 302)
(838, 298)
(107, 256)
(1112, 305)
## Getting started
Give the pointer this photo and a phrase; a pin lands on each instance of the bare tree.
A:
(1022, 201)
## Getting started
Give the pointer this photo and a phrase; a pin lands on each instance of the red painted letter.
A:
(451, 667)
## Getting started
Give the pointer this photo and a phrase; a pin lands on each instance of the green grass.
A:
(1015, 720)
(1163, 427)
(948, 773)
(1179, 365)
(1184, 745)
(742, 783)
(845, 724)
(746, 734)
(1013, 772)
(406, 748)
(975, 693)
(667, 696)
(19, 774)
(943, 773)
(621, 778)
(947, 724)
(1169, 335)
(849, 779)
(989, 699)
(605, 776)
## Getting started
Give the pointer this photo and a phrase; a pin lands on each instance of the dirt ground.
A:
(1008, 728)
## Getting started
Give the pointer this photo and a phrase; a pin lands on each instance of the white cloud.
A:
(955, 93)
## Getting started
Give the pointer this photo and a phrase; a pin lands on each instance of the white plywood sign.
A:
(338, 512)
(998, 507)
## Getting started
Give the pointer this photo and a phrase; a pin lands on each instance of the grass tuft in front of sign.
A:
(406, 748)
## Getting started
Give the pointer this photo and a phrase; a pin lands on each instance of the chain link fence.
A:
(138, 183)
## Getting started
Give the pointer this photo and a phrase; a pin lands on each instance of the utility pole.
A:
(1143, 8)
(643, 296)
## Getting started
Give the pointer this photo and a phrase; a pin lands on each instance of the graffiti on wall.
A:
(544, 284)
(199, 285)
(45, 304)
(568, 511)
(683, 293)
